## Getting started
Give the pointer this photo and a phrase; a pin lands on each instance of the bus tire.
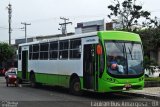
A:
(32, 80)
(75, 87)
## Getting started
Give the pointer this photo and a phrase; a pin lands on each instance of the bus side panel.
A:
(55, 72)
(19, 73)
(53, 79)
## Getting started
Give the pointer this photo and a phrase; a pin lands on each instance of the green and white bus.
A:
(84, 62)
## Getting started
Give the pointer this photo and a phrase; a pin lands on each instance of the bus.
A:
(102, 61)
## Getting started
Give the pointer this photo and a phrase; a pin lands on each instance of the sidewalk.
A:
(150, 92)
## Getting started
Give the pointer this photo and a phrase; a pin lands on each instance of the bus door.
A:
(24, 63)
(89, 67)
(90, 75)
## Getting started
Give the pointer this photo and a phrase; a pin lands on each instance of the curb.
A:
(145, 95)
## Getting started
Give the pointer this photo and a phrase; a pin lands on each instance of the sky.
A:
(44, 15)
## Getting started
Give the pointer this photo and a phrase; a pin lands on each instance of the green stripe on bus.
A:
(51, 79)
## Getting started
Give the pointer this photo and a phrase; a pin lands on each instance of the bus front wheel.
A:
(75, 87)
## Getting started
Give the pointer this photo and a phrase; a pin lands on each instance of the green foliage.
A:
(148, 62)
(152, 79)
(6, 52)
(129, 13)
(150, 39)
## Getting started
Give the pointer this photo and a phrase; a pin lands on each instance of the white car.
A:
(11, 70)
(153, 71)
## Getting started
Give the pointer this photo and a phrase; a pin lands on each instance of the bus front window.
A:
(134, 58)
(124, 58)
(116, 58)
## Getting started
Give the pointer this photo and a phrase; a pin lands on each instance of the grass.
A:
(152, 79)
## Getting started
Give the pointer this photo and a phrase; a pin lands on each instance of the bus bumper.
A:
(106, 86)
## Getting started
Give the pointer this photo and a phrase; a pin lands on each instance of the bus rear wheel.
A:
(75, 87)
(32, 81)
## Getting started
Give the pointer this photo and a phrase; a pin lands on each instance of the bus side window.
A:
(44, 51)
(35, 54)
(53, 51)
(63, 49)
(75, 49)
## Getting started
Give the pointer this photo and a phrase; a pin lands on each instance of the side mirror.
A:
(99, 49)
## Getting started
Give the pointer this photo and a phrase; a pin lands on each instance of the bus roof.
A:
(62, 38)
(119, 35)
(106, 35)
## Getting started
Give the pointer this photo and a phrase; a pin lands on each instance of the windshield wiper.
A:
(130, 53)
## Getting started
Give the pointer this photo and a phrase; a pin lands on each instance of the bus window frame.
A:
(63, 49)
(35, 52)
(43, 52)
(52, 50)
(72, 49)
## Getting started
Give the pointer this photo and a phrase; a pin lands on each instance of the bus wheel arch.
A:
(30, 74)
(75, 84)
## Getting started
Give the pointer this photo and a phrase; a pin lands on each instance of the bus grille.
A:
(121, 87)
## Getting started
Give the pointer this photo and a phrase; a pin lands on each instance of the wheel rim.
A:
(32, 81)
(77, 86)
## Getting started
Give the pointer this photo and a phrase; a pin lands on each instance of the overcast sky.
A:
(44, 14)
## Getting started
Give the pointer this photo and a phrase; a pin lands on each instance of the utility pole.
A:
(25, 28)
(64, 25)
(9, 21)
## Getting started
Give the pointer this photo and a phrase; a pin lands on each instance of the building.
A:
(98, 25)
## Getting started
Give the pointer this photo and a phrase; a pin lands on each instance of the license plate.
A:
(124, 89)
(127, 86)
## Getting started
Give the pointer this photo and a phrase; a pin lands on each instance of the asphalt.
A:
(46, 96)
(148, 92)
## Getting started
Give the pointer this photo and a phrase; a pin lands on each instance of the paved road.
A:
(59, 97)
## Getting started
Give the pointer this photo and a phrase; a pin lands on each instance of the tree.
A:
(152, 23)
(147, 62)
(6, 52)
(128, 12)
(150, 39)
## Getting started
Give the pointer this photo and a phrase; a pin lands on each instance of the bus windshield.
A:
(124, 58)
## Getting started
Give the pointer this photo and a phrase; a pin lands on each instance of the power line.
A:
(64, 25)
(8, 28)
(56, 18)
(9, 21)
(3, 28)
(25, 27)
